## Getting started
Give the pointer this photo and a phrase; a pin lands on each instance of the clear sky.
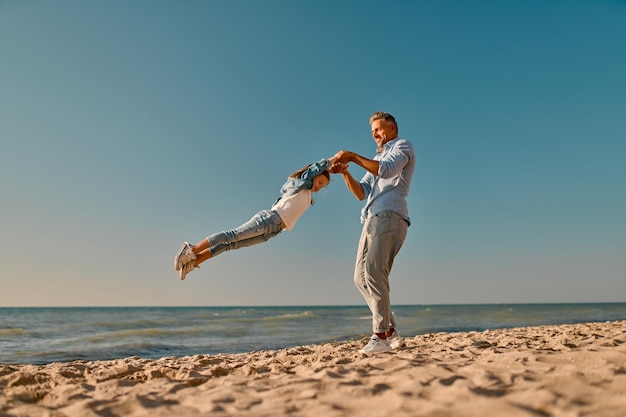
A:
(127, 127)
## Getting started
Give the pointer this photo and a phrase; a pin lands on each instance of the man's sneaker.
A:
(185, 269)
(395, 341)
(376, 345)
(183, 256)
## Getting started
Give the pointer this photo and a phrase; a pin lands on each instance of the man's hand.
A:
(344, 156)
(347, 156)
(338, 168)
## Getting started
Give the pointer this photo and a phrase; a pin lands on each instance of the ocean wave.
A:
(143, 333)
(17, 331)
(116, 324)
(303, 315)
(96, 352)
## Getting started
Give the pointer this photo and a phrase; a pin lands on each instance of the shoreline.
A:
(554, 370)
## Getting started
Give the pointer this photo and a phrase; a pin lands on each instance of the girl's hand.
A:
(338, 168)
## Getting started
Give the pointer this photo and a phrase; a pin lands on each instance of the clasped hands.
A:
(340, 161)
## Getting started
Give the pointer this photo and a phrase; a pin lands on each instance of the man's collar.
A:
(380, 149)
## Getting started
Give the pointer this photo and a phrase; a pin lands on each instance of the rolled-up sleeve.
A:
(393, 163)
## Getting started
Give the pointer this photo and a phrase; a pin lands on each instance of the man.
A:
(385, 219)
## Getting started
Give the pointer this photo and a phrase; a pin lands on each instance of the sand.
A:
(561, 371)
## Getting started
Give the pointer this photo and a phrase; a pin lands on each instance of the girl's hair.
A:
(299, 172)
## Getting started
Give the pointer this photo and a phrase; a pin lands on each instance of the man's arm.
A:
(368, 164)
(353, 185)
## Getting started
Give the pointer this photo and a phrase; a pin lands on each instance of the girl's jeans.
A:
(381, 240)
(260, 228)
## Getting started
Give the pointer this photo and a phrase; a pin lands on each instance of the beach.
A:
(566, 370)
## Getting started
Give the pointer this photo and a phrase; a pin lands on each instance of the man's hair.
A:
(384, 116)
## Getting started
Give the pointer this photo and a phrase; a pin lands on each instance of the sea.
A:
(56, 334)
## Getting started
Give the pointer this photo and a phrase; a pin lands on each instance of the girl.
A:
(295, 198)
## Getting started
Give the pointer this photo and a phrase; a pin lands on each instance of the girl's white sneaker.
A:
(183, 256)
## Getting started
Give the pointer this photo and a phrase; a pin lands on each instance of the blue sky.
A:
(128, 127)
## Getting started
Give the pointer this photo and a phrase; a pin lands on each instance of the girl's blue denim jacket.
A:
(305, 182)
